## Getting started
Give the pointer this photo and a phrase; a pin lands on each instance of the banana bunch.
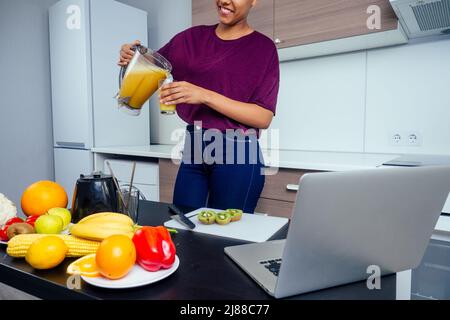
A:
(99, 226)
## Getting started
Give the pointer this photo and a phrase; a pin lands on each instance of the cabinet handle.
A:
(292, 187)
(278, 41)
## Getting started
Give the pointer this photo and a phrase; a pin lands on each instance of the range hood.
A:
(420, 18)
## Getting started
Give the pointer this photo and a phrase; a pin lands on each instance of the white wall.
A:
(409, 91)
(356, 101)
(25, 107)
(320, 103)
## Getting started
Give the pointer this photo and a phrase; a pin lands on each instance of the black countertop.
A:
(205, 273)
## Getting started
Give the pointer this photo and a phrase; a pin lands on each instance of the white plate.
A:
(136, 278)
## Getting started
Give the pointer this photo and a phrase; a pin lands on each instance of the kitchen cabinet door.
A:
(167, 176)
(204, 12)
(70, 76)
(111, 126)
(299, 22)
(69, 164)
(276, 208)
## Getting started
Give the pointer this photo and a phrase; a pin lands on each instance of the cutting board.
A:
(252, 227)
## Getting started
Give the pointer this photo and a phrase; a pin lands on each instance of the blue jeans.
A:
(222, 172)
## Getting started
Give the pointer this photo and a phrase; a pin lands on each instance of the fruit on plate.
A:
(84, 266)
(7, 210)
(19, 245)
(155, 249)
(223, 218)
(46, 252)
(100, 226)
(41, 196)
(207, 216)
(19, 228)
(63, 213)
(47, 224)
(4, 230)
(115, 256)
(236, 214)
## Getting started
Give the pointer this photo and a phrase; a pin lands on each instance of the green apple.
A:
(63, 213)
(49, 224)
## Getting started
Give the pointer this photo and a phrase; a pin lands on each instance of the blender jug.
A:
(140, 79)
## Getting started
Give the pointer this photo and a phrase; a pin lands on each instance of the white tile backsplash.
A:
(321, 103)
(408, 91)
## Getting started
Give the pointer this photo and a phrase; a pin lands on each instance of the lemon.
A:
(46, 252)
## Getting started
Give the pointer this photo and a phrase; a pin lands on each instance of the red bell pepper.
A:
(31, 220)
(154, 248)
(4, 230)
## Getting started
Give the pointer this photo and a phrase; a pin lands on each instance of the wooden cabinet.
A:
(278, 196)
(261, 17)
(167, 175)
(299, 22)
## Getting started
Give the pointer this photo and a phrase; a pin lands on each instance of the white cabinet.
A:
(69, 164)
(146, 176)
(85, 39)
(70, 74)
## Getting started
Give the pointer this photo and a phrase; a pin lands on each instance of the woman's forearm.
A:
(249, 114)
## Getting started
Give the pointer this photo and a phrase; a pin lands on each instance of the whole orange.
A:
(115, 256)
(42, 196)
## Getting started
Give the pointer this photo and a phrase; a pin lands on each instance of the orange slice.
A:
(84, 266)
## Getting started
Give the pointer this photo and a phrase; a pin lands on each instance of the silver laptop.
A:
(344, 222)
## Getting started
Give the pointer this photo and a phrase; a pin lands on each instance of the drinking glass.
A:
(166, 109)
(130, 203)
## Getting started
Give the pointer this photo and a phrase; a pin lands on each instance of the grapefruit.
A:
(42, 196)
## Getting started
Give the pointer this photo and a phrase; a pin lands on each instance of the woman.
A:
(227, 78)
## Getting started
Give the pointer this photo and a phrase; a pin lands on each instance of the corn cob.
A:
(18, 245)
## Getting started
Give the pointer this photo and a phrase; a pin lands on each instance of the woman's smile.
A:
(224, 10)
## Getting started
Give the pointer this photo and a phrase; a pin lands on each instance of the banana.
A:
(99, 232)
(102, 225)
(107, 216)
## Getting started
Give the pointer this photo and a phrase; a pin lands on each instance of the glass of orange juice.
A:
(166, 109)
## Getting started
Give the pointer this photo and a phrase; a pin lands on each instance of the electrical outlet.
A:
(396, 139)
(405, 138)
(414, 139)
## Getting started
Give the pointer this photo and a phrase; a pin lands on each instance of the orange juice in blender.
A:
(140, 80)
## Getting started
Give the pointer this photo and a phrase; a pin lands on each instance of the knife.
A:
(183, 219)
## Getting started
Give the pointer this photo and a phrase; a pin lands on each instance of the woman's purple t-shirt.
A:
(245, 69)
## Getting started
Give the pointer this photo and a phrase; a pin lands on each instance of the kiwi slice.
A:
(236, 214)
(223, 218)
(19, 228)
(207, 217)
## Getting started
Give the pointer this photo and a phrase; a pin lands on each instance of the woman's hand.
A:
(182, 92)
(126, 54)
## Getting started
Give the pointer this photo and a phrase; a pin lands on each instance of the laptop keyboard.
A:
(272, 265)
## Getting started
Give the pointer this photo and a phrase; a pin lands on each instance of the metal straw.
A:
(131, 182)
(117, 186)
